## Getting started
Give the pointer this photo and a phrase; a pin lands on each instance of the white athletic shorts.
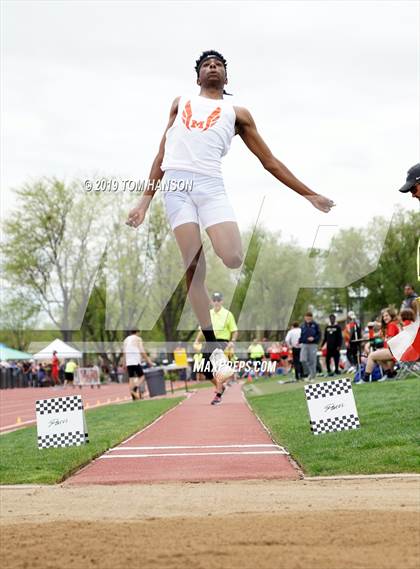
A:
(195, 198)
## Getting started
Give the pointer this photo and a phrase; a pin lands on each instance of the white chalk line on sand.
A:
(188, 454)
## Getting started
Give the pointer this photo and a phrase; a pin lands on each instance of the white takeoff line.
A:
(187, 454)
(177, 447)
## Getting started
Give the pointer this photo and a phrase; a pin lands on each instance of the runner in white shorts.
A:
(198, 135)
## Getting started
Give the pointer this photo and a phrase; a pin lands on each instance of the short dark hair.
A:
(309, 313)
(206, 55)
(332, 315)
(295, 324)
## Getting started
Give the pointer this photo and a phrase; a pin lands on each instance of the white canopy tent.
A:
(64, 351)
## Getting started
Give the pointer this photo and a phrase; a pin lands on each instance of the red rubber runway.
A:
(194, 442)
(17, 406)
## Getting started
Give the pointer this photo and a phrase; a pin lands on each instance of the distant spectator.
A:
(389, 324)
(410, 297)
(292, 340)
(333, 338)
(274, 351)
(256, 351)
(61, 372)
(180, 355)
(26, 371)
(133, 352)
(41, 375)
(284, 358)
(352, 331)
(310, 334)
(69, 372)
(55, 363)
(383, 356)
(120, 373)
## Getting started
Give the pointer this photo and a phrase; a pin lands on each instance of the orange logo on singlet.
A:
(201, 125)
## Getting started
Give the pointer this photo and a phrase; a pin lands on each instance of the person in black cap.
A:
(226, 333)
(198, 134)
(412, 183)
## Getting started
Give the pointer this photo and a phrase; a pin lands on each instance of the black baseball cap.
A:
(217, 296)
(413, 177)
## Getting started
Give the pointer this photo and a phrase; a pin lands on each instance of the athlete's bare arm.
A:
(246, 128)
(143, 352)
(136, 216)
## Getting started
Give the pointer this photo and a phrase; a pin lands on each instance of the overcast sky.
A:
(333, 87)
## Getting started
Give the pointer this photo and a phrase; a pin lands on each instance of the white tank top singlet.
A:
(131, 350)
(200, 135)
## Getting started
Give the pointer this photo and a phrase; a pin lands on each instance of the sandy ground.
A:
(359, 524)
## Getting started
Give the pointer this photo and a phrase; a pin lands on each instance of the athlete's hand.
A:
(320, 202)
(136, 217)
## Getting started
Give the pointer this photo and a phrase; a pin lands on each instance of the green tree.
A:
(17, 317)
(397, 264)
(48, 248)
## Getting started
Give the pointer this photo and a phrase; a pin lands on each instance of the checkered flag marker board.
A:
(61, 422)
(331, 406)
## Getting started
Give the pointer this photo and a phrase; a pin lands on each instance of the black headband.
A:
(210, 56)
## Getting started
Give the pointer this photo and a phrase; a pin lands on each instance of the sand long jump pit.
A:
(366, 523)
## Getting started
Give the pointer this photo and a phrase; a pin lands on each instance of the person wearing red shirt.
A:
(284, 357)
(54, 368)
(273, 353)
(383, 357)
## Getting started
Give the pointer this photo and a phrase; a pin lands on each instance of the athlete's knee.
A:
(233, 260)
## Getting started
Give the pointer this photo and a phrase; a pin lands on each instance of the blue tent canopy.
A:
(7, 353)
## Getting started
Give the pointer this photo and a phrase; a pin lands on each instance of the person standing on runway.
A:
(197, 136)
(226, 333)
(133, 353)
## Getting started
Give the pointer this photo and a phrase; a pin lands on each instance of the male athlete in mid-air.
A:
(198, 134)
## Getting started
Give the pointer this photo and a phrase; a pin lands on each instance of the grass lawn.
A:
(387, 442)
(22, 463)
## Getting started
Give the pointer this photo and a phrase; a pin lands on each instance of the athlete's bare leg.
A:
(135, 394)
(226, 240)
(190, 244)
